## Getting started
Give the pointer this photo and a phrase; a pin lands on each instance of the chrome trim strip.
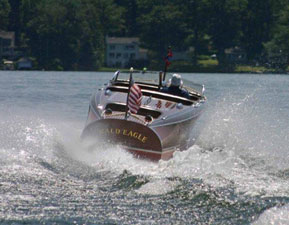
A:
(150, 151)
(95, 113)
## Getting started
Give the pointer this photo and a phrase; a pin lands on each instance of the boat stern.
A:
(136, 138)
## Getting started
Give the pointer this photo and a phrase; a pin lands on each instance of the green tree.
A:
(130, 14)
(22, 11)
(109, 16)
(277, 48)
(257, 24)
(70, 34)
(224, 24)
(161, 25)
(48, 34)
(14, 18)
(196, 26)
(4, 14)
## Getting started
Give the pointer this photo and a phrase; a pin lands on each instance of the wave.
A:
(274, 216)
(240, 145)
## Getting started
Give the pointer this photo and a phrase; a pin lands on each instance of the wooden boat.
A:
(162, 125)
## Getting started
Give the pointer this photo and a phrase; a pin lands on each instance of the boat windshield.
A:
(152, 77)
(140, 77)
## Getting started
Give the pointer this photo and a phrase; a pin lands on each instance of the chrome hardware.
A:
(148, 118)
(107, 92)
(108, 112)
(148, 101)
(115, 76)
(180, 106)
(203, 89)
(99, 107)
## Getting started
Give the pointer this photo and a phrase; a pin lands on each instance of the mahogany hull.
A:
(153, 143)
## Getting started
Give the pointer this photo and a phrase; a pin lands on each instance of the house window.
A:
(111, 55)
(132, 55)
(112, 47)
(129, 47)
(5, 42)
(118, 55)
(118, 64)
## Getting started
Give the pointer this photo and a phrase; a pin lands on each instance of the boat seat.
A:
(121, 107)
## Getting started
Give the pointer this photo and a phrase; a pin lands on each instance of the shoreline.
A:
(111, 70)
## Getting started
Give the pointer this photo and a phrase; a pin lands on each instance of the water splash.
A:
(239, 146)
(274, 216)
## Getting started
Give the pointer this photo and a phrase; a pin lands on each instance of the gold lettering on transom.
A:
(129, 133)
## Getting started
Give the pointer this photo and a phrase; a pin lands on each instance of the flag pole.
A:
(166, 62)
(128, 92)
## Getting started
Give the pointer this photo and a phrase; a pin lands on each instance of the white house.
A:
(8, 39)
(121, 50)
(7, 44)
(24, 64)
(236, 55)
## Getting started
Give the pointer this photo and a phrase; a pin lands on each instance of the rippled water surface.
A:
(236, 173)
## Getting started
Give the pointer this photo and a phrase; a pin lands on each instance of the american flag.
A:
(135, 97)
(169, 56)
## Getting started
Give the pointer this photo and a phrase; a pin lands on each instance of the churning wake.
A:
(239, 145)
(243, 145)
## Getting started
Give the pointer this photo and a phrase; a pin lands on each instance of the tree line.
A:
(70, 34)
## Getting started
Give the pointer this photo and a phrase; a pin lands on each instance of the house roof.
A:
(7, 35)
(143, 50)
(122, 40)
(24, 59)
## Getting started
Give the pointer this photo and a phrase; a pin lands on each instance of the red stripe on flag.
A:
(135, 97)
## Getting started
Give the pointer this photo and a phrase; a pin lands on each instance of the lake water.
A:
(236, 173)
